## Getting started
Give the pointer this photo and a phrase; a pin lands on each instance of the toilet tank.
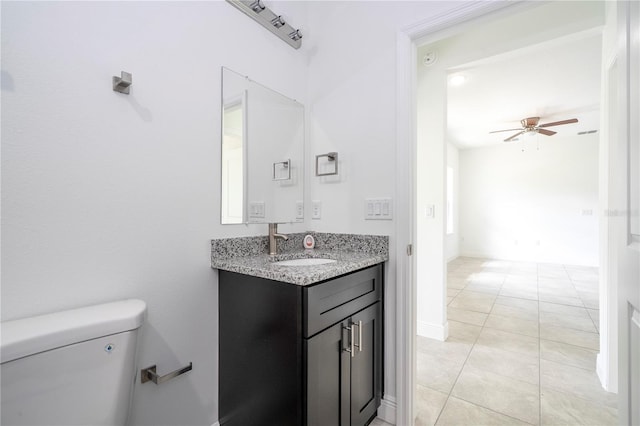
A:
(74, 367)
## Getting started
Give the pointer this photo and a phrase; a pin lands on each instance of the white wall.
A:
(107, 196)
(452, 241)
(519, 202)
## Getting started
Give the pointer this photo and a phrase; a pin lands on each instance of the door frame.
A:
(607, 358)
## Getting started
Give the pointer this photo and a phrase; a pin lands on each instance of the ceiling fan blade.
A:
(557, 123)
(513, 137)
(505, 130)
(547, 132)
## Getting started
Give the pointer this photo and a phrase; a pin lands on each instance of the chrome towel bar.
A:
(149, 374)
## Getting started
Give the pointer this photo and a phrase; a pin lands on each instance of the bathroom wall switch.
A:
(430, 211)
(316, 209)
(369, 211)
(299, 210)
(385, 208)
(256, 209)
(378, 209)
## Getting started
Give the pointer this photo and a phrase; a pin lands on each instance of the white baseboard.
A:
(602, 372)
(387, 410)
(216, 424)
(433, 331)
(527, 258)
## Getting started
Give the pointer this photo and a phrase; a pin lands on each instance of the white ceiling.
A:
(555, 81)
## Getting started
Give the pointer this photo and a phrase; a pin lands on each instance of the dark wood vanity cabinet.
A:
(294, 355)
(341, 385)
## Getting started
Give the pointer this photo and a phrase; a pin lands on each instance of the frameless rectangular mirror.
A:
(262, 153)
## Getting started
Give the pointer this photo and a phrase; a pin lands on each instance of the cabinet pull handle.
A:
(359, 325)
(351, 348)
(353, 339)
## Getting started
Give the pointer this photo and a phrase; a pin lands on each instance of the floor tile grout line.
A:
(490, 328)
(461, 368)
(570, 344)
(544, 301)
(478, 268)
(564, 364)
(485, 408)
(577, 396)
(482, 327)
(574, 287)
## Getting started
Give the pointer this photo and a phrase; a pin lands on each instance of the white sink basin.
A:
(310, 261)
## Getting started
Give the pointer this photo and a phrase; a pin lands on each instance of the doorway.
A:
(430, 208)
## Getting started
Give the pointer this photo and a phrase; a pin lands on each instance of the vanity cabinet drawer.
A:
(332, 301)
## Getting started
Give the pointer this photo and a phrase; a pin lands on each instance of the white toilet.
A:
(73, 367)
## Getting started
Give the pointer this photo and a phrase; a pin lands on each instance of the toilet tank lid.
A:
(28, 336)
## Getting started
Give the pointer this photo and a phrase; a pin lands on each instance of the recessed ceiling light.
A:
(457, 79)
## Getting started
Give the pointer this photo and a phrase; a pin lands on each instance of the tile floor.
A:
(522, 346)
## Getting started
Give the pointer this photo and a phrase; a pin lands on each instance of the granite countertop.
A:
(248, 256)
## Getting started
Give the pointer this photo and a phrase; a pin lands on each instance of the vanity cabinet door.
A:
(342, 389)
(366, 364)
(328, 377)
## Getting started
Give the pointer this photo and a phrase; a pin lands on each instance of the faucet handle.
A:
(273, 228)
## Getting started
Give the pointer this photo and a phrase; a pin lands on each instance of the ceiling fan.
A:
(530, 124)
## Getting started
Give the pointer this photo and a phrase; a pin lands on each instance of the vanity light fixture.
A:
(295, 35)
(278, 21)
(257, 6)
(257, 11)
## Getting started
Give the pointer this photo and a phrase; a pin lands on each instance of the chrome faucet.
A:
(273, 234)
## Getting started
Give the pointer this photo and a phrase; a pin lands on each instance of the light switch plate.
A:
(256, 209)
(299, 210)
(316, 209)
(430, 211)
(378, 209)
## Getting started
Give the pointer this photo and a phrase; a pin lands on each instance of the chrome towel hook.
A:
(122, 84)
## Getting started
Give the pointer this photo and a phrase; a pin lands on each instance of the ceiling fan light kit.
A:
(530, 124)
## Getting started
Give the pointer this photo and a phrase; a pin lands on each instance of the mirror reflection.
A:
(262, 153)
